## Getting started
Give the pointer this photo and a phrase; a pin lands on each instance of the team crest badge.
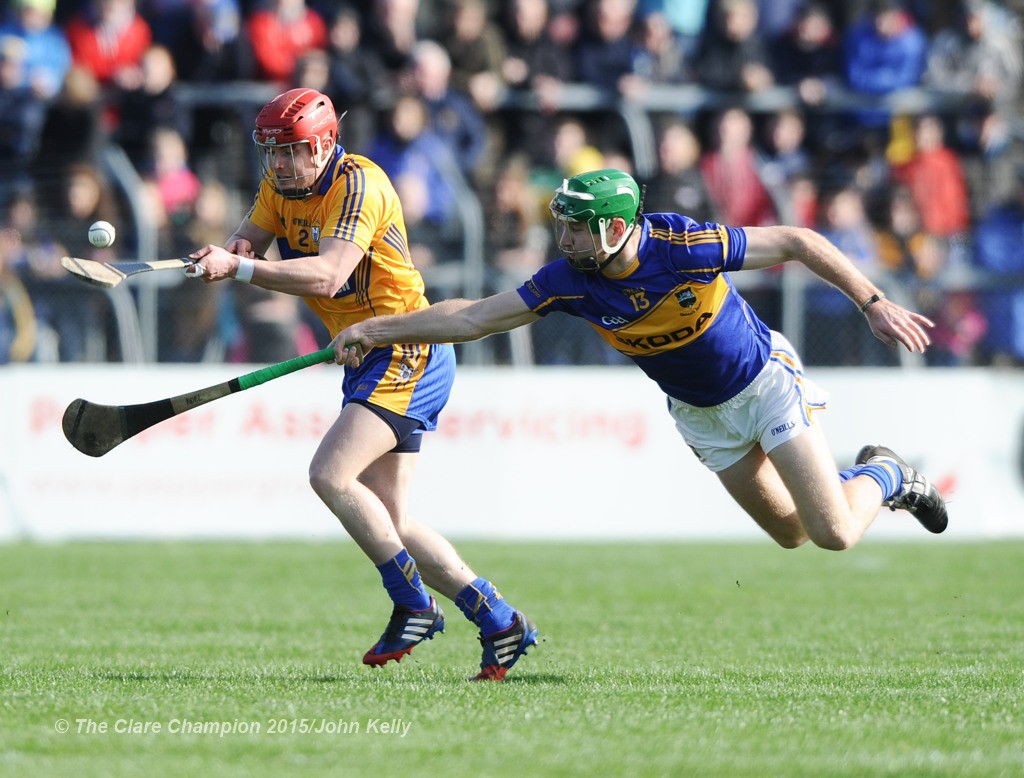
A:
(316, 235)
(405, 371)
(686, 298)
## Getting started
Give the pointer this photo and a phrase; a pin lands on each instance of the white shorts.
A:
(775, 407)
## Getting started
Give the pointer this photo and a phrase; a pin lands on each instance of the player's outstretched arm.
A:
(450, 321)
(891, 323)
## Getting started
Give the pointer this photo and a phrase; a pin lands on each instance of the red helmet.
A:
(294, 117)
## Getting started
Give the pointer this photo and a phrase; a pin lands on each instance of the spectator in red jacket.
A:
(936, 180)
(282, 31)
(108, 40)
(732, 173)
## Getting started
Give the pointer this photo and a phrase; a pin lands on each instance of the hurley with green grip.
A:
(95, 429)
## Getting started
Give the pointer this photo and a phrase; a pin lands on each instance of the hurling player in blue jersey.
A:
(656, 288)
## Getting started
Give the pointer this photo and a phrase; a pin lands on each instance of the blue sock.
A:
(484, 606)
(886, 473)
(402, 580)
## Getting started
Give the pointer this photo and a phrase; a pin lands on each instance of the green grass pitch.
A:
(655, 659)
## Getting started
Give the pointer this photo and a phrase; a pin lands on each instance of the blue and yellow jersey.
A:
(674, 311)
(356, 202)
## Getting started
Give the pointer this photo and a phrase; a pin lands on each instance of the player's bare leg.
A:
(755, 485)
(794, 493)
(358, 438)
(439, 563)
(835, 514)
(366, 487)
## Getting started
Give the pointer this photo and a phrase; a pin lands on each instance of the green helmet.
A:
(594, 199)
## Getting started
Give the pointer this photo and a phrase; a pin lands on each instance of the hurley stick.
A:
(95, 429)
(110, 274)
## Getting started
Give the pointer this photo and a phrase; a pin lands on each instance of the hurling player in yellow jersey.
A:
(656, 288)
(339, 229)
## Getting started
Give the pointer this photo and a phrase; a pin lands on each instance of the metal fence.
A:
(163, 318)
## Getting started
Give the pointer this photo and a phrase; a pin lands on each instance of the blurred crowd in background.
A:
(895, 128)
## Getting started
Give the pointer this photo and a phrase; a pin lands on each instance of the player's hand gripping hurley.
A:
(95, 429)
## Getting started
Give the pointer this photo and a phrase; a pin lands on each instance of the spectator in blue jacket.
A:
(22, 116)
(451, 113)
(47, 56)
(886, 51)
(604, 53)
(413, 156)
(657, 58)
(686, 19)
(1000, 251)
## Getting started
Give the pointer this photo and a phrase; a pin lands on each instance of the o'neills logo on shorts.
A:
(783, 428)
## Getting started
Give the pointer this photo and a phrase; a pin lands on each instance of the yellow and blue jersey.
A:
(356, 201)
(674, 311)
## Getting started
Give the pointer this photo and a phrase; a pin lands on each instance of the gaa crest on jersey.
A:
(686, 298)
(405, 371)
(316, 235)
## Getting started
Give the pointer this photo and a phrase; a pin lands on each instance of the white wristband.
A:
(246, 267)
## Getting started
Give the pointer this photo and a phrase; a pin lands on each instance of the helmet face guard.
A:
(584, 206)
(285, 128)
(283, 168)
